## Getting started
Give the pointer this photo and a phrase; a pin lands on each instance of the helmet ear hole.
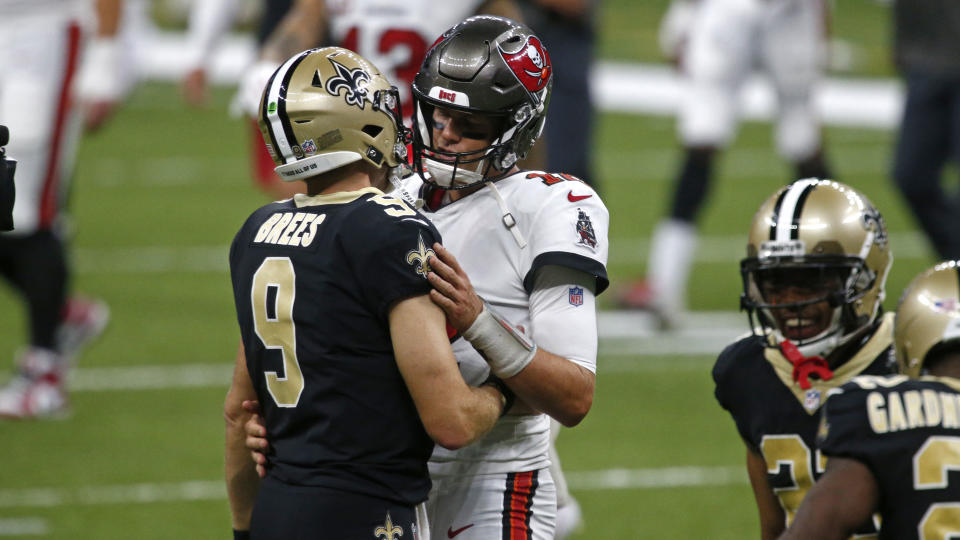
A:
(372, 130)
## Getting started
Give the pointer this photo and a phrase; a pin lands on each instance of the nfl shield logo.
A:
(576, 296)
(811, 400)
(309, 147)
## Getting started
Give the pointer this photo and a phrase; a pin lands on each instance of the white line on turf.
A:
(158, 259)
(628, 344)
(200, 490)
(23, 527)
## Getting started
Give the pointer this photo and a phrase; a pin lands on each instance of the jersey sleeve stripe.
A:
(568, 260)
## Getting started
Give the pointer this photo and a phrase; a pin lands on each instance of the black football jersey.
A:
(313, 281)
(777, 418)
(907, 431)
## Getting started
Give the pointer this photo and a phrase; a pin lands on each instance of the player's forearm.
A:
(479, 412)
(556, 386)
(301, 28)
(108, 17)
(241, 475)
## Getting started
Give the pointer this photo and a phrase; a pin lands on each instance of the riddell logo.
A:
(449, 96)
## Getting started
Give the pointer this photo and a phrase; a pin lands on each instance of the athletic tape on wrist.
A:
(505, 349)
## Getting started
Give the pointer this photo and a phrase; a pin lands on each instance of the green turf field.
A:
(161, 191)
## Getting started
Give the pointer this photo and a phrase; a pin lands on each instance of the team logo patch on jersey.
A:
(576, 296)
(811, 400)
(419, 258)
(531, 64)
(388, 531)
(353, 83)
(585, 234)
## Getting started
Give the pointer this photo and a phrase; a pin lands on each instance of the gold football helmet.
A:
(827, 240)
(928, 317)
(325, 108)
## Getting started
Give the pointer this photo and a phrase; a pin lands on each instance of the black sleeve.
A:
(389, 256)
(727, 390)
(844, 428)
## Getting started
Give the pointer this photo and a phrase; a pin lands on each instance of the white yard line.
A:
(202, 490)
(628, 344)
(618, 86)
(161, 259)
(26, 526)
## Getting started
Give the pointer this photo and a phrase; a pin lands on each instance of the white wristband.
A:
(505, 349)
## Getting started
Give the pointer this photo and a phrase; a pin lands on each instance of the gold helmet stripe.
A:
(275, 103)
(786, 224)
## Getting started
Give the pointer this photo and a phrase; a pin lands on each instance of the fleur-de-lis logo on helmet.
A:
(873, 221)
(353, 82)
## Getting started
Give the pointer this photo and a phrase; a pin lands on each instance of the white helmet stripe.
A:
(789, 208)
(276, 90)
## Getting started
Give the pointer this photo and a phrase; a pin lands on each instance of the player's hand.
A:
(675, 28)
(194, 87)
(256, 440)
(452, 290)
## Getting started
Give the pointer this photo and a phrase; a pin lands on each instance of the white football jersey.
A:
(395, 35)
(564, 223)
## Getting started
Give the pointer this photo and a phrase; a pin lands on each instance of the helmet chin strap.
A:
(821, 344)
(446, 175)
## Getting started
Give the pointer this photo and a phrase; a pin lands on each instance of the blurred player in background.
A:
(927, 53)
(893, 443)
(208, 22)
(567, 29)
(393, 35)
(42, 45)
(813, 283)
(535, 246)
(717, 44)
(344, 348)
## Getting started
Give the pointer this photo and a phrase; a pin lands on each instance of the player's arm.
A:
(546, 381)
(241, 474)
(209, 20)
(772, 518)
(840, 501)
(300, 29)
(501, 8)
(103, 81)
(453, 413)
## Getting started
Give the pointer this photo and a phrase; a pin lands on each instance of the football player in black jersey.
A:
(342, 346)
(894, 442)
(813, 281)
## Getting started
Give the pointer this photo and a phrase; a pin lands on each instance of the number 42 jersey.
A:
(313, 281)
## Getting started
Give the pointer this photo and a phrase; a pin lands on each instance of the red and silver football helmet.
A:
(489, 66)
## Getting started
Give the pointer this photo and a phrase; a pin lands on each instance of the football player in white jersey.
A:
(393, 34)
(42, 46)
(717, 44)
(535, 246)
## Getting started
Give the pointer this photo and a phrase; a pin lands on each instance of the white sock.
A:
(668, 268)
